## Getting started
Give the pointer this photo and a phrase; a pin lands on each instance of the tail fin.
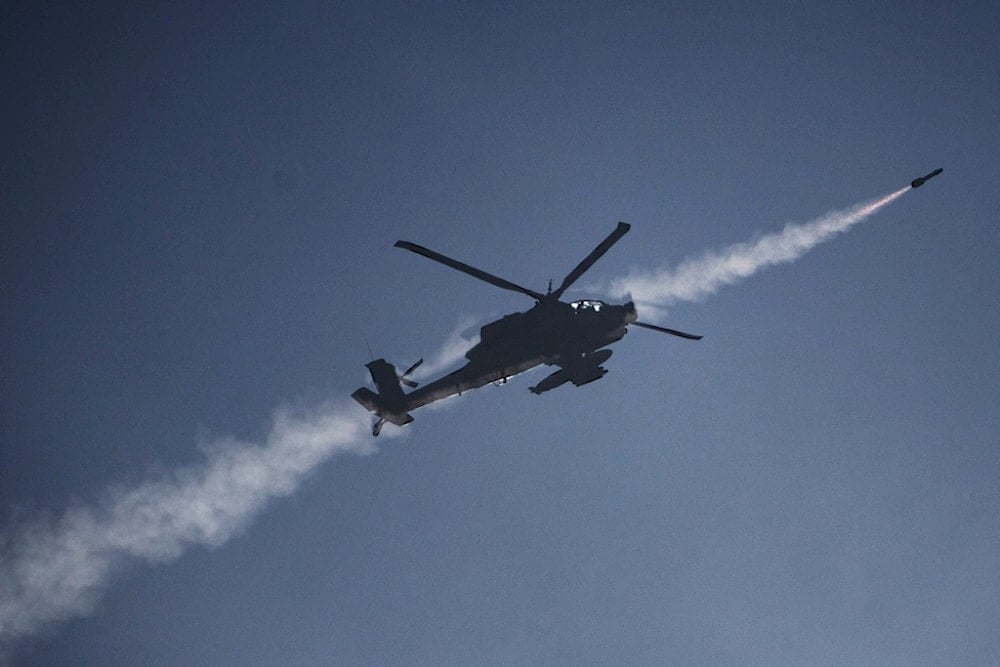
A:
(387, 380)
(389, 404)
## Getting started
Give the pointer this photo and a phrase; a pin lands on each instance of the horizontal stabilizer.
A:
(398, 419)
(367, 398)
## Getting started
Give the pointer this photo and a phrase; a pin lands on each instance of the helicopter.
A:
(570, 335)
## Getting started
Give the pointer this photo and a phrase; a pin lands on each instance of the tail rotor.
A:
(404, 376)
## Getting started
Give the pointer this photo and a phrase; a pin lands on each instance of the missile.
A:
(917, 182)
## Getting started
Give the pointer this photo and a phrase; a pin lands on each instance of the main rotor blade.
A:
(465, 268)
(674, 332)
(595, 255)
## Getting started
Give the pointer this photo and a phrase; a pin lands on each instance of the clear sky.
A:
(198, 206)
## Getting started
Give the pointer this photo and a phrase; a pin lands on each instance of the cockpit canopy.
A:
(588, 305)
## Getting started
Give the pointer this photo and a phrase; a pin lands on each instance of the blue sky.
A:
(199, 206)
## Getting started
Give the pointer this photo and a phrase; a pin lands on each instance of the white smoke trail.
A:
(51, 571)
(695, 279)
(458, 342)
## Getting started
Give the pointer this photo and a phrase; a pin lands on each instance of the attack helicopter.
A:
(553, 332)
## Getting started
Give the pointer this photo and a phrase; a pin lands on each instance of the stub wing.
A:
(579, 371)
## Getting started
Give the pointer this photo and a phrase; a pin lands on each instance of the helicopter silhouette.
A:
(569, 335)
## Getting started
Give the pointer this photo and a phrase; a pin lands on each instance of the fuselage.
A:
(552, 329)
(549, 333)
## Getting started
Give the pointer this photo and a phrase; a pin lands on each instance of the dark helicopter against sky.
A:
(553, 332)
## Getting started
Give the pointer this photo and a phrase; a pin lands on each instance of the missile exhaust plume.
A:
(54, 570)
(698, 278)
(453, 349)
